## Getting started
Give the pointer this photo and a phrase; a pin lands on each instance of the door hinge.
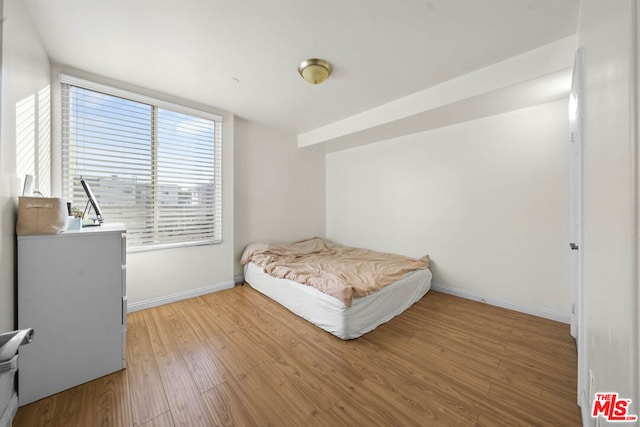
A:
(573, 246)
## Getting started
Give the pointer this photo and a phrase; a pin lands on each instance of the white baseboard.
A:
(167, 299)
(534, 311)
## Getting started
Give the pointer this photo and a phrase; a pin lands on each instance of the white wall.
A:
(607, 31)
(25, 89)
(279, 189)
(487, 199)
(158, 275)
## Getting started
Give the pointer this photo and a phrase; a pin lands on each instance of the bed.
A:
(345, 316)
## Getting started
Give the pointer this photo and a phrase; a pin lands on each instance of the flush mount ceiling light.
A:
(315, 70)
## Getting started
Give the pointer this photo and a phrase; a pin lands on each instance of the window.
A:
(152, 165)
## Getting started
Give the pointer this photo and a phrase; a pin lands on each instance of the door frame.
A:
(576, 211)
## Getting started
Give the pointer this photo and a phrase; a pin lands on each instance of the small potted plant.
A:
(76, 212)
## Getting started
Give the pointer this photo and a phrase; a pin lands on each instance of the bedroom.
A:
(491, 232)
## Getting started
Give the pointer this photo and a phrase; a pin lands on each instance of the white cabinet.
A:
(72, 292)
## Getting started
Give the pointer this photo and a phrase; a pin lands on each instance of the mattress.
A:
(331, 314)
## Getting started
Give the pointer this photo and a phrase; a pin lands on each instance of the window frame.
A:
(165, 105)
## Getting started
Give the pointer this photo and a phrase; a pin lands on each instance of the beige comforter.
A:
(340, 271)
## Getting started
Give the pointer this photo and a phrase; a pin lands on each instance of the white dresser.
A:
(72, 292)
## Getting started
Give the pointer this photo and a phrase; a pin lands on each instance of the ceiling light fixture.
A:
(315, 70)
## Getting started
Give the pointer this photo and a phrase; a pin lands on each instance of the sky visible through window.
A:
(149, 167)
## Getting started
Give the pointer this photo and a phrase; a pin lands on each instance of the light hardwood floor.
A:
(237, 358)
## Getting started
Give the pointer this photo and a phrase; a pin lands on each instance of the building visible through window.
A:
(155, 168)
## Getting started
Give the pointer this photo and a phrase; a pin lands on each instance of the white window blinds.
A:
(156, 168)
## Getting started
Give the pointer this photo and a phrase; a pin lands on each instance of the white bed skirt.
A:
(331, 314)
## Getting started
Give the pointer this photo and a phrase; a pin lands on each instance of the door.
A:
(575, 212)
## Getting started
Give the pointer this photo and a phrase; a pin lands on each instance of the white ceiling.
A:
(381, 50)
